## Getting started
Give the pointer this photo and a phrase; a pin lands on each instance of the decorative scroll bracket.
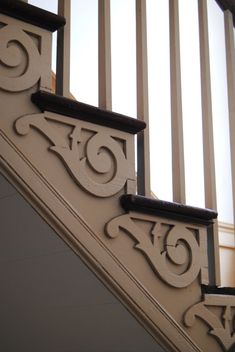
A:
(13, 42)
(221, 328)
(25, 56)
(181, 245)
(103, 153)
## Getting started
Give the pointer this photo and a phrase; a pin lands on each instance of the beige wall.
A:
(227, 255)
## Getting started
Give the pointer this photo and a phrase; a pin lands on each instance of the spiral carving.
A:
(221, 326)
(181, 248)
(103, 155)
(14, 43)
(103, 152)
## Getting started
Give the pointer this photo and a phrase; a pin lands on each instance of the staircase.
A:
(75, 164)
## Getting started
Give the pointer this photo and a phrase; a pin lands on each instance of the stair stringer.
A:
(72, 228)
(34, 134)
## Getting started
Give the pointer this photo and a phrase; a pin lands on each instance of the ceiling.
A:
(50, 301)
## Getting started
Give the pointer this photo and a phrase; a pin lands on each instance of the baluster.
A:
(105, 78)
(230, 60)
(207, 126)
(63, 51)
(143, 158)
(178, 172)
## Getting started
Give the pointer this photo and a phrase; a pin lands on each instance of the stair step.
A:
(73, 108)
(32, 14)
(162, 208)
(208, 289)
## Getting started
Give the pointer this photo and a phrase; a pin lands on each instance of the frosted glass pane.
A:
(159, 98)
(191, 102)
(123, 56)
(84, 51)
(220, 112)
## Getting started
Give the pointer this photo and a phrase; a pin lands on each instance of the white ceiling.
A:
(50, 301)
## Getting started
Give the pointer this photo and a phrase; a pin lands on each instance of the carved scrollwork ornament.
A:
(103, 155)
(222, 328)
(14, 44)
(180, 249)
